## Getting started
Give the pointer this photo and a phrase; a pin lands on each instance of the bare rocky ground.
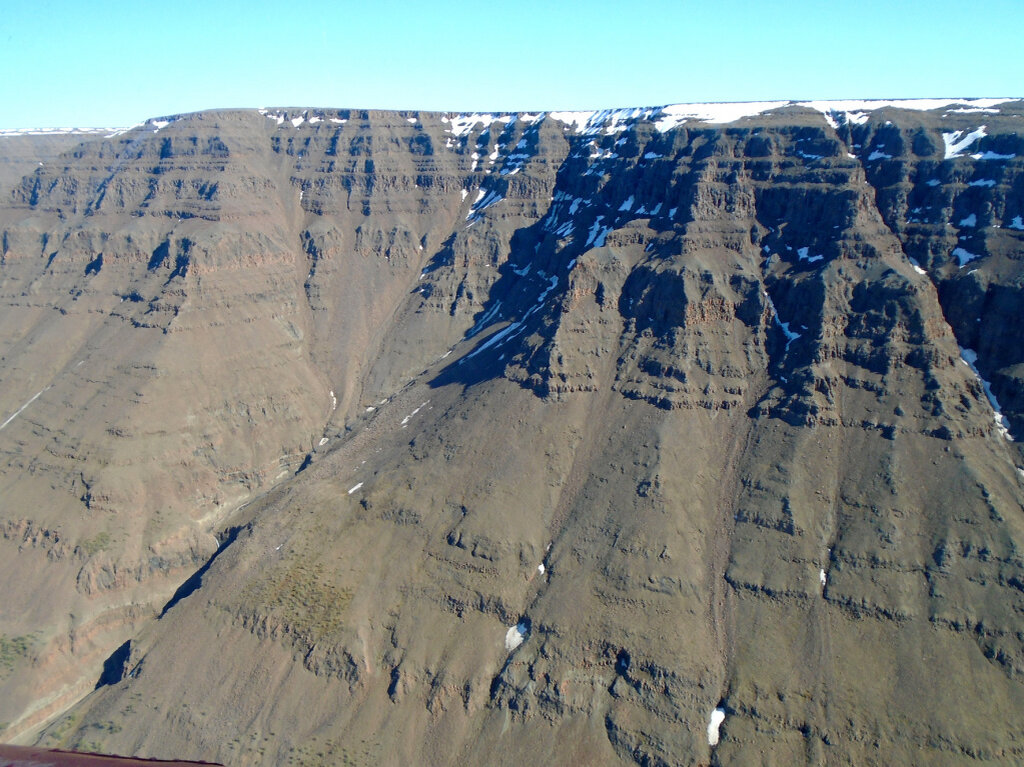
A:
(345, 437)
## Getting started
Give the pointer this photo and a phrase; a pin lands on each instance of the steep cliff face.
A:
(347, 435)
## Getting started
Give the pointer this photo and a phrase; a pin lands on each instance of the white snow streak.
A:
(485, 320)
(61, 131)
(970, 358)
(406, 420)
(791, 336)
(355, 487)
(20, 409)
(987, 155)
(502, 335)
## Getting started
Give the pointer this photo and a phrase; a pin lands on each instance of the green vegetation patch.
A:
(56, 735)
(303, 597)
(96, 544)
(13, 650)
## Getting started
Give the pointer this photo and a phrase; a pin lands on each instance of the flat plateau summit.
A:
(662, 436)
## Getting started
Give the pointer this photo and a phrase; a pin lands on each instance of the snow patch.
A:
(597, 234)
(1017, 223)
(983, 182)
(516, 635)
(463, 124)
(803, 254)
(120, 131)
(956, 142)
(552, 284)
(971, 220)
(323, 441)
(717, 717)
(483, 200)
(355, 487)
(964, 256)
(607, 121)
(674, 115)
(627, 205)
(858, 112)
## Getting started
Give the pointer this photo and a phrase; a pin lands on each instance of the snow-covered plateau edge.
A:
(671, 116)
(667, 117)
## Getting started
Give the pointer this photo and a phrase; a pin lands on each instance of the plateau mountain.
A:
(673, 435)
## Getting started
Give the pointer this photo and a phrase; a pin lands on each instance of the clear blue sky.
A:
(115, 63)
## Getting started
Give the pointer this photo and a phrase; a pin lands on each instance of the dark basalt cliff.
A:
(345, 437)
